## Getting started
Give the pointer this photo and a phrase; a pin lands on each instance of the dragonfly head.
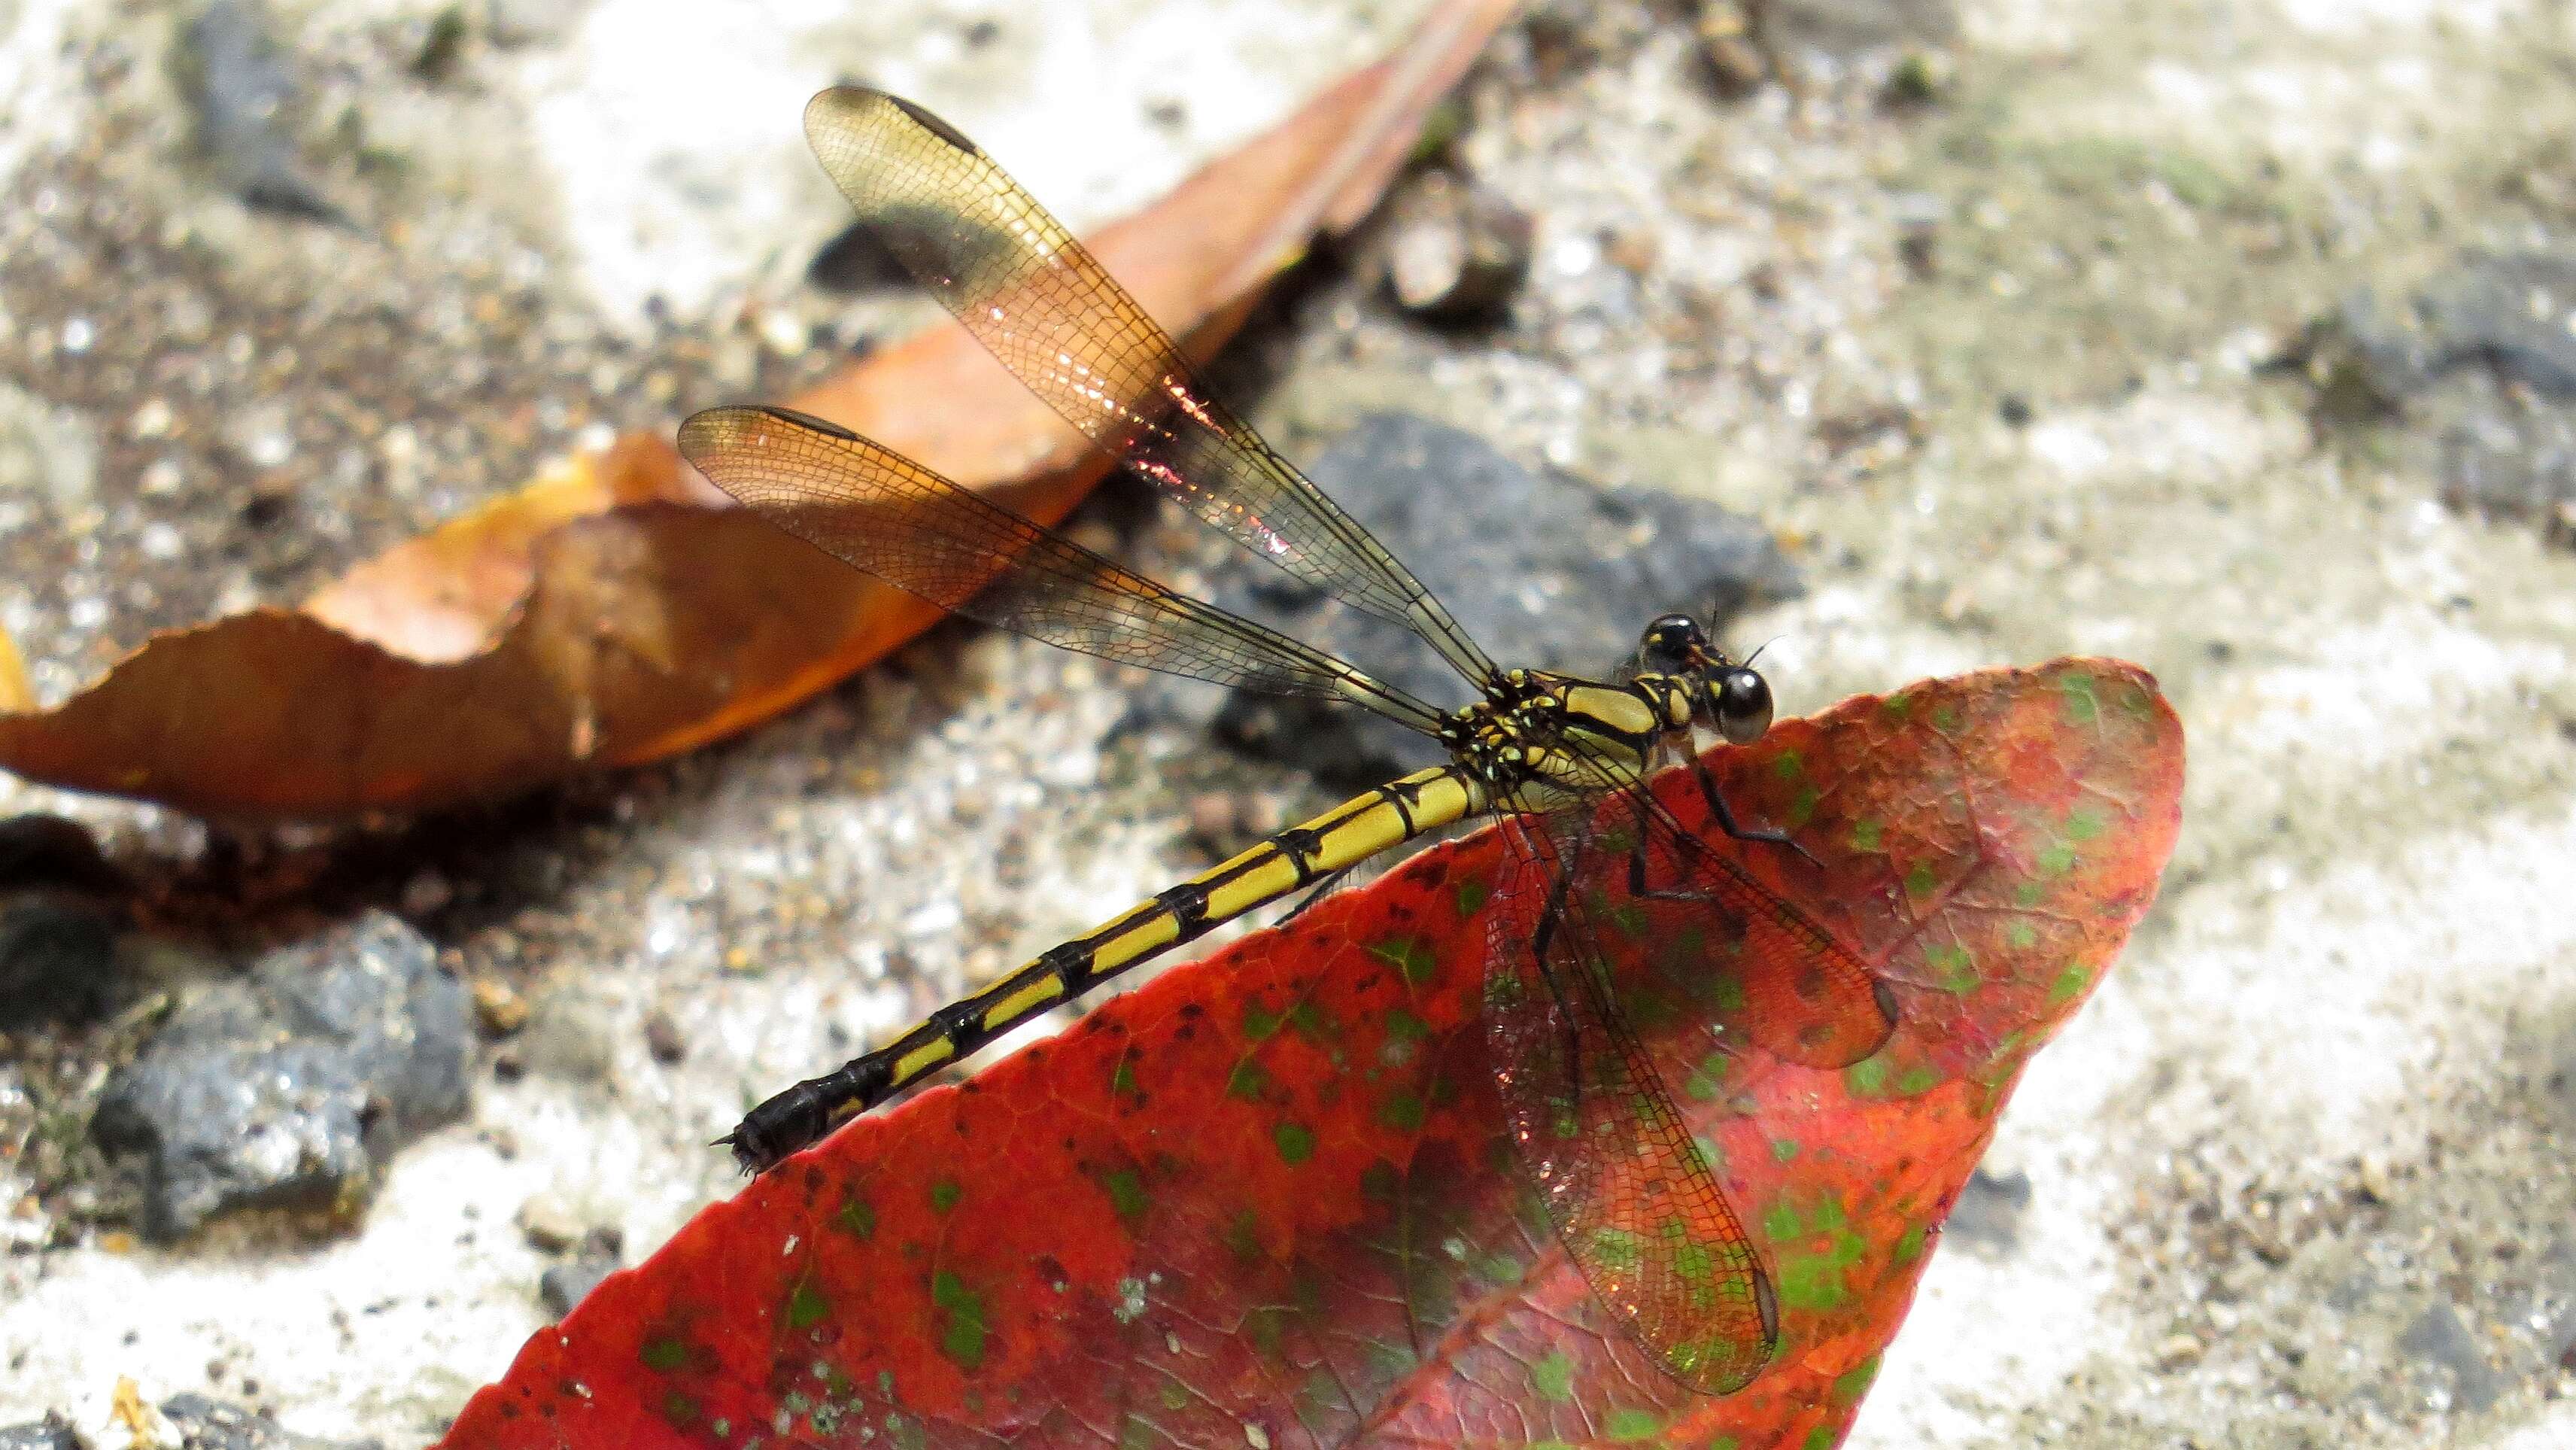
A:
(1734, 699)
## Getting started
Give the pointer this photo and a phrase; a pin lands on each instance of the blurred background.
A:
(2237, 339)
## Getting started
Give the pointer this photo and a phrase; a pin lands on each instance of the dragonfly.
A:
(1561, 761)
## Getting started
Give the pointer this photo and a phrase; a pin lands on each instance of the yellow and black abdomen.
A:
(1288, 861)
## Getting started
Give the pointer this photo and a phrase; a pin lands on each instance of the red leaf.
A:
(1261, 1201)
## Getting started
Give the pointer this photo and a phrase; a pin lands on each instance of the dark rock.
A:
(290, 1087)
(58, 924)
(40, 850)
(1450, 250)
(2513, 462)
(2483, 359)
(2505, 312)
(209, 1424)
(57, 959)
(566, 1284)
(50, 1433)
(236, 80)
(1543, 569)
(1988, 1210)
(1848, 27)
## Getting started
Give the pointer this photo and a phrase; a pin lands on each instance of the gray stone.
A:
(1543, 569)
(1988, 1211)
(1846, 27)
(210, 1424)
(2505, 312)
(290, 1087)
(566, 1284)
(2438, 1340)
(50, 1433)
(45, 451)
(237, 81)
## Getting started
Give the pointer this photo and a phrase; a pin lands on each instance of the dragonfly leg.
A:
(1324, 886)
(1726, 818)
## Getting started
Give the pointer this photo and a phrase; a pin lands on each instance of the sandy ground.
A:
(2298, 1176)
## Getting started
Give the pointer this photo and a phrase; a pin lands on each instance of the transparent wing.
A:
(1595, 1129)
(1029, 291)
(886, 515)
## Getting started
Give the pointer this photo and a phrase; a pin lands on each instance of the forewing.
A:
(1596, 1132)
(889, 516)
(1030, 292)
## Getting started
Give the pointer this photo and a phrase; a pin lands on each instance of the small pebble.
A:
(2179, 1351)
(549, 1223)
(499, 1007)
(662, 1038)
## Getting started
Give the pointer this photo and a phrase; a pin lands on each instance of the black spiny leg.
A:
(1726, 822)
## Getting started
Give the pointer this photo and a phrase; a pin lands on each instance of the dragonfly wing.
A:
(1033, 295)
(1765, 974)
(890, 517)
(1596, 1133)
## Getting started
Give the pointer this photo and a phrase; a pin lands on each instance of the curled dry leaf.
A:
(615, 611)
(1261, 1200)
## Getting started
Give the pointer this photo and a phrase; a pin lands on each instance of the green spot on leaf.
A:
(944, 1194)
(664, 1355)
(1410, 956)
(1866, 1078)
(1918, 1080)
(857, 1218)
(1708, 1079)
(1802, 806)
(1867, 833)
(1260, 1023)
(1472, 895)
(807, 1307)
(2070, 984)
(961, 1337)
(2084, 824)
(2021, 936)
(1122, 1080)
(1626, 1425)
(1311, 1021)
(1296, 1142)
(1850, 1386)
(1909, 1246)
(1788, 765)
(2057, 860)
(1126, 1190)
(1248, 1081)
(2075, 695)
(1784, 1150)
(678, 1408)
(1919, 879)
(1403, 1112)
(1553, 1377)
(1243, 1236)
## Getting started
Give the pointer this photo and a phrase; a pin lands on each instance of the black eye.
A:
(1672, 639)
(1743, 705)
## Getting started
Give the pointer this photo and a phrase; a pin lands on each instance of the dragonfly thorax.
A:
(1573, 734)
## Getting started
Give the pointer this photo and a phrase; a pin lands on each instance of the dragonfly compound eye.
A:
(1672, 642)
(1743, 700)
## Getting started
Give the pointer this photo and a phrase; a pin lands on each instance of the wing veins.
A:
(892, 518)
(1025, 287)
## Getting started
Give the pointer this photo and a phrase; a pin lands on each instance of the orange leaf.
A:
(613, 612)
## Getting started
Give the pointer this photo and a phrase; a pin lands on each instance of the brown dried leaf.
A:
(614, 611)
